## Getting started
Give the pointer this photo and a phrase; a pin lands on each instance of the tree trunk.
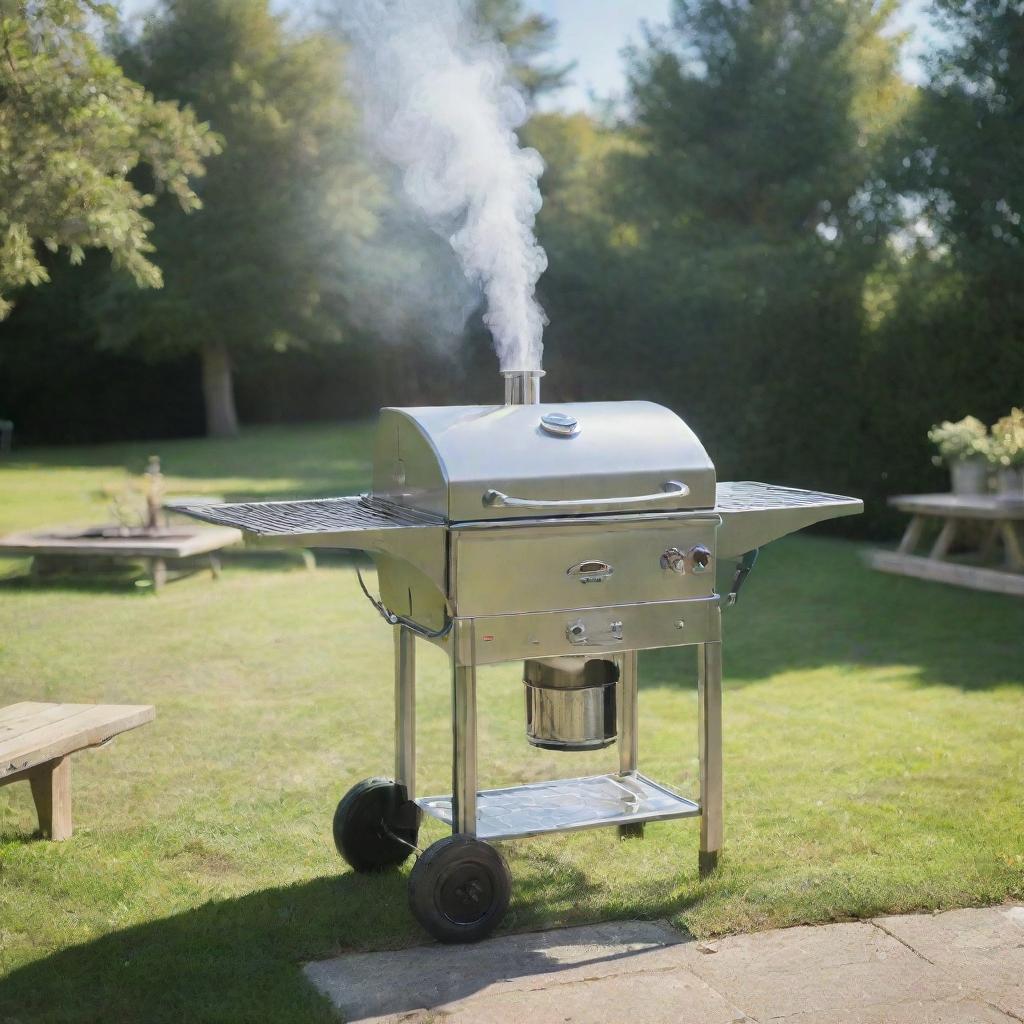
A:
(218, 391)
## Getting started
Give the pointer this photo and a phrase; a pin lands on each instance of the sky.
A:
(593, 33)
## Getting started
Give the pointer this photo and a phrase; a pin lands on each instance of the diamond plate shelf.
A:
(565, 805)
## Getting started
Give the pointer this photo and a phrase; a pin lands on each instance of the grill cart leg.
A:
(463, 748)
(628, 750)
(709, 723)
(405, 710)
(376, 824)
(459, 886)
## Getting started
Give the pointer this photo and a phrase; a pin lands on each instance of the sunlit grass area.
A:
(874, 758)
(52, 486)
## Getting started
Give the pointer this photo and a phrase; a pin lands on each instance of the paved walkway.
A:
(960, 967)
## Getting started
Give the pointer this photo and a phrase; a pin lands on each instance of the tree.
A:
(528, 38)
(748, 222)
(73, 131)
(947, 307)
(259, 265)
(961, 158)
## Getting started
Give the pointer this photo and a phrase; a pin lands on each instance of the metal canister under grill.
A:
(570, 702)
(567, 536)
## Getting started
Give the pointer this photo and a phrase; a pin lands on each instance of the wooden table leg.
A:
(912, 536)
(985, 554)
(215, 566)
(158, 573)
(1014, 553)
(944, 540)
(51, 791)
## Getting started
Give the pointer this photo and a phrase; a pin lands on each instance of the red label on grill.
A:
(487, 638)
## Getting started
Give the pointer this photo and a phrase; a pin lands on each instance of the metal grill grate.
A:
(323, 515)
(748, 496)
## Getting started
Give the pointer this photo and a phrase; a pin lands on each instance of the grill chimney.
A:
(522, 387)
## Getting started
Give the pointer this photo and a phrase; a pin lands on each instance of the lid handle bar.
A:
(670, 489)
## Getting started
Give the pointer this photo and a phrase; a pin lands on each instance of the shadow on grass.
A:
(239, 959)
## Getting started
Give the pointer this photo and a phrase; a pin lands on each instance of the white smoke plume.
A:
(440, 105)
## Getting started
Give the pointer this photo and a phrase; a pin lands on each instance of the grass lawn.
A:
(874, 758)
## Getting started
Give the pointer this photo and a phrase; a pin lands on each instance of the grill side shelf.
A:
(753, 514)
(290, 518)
(353, 522)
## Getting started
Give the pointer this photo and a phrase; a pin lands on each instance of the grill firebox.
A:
(566, 536)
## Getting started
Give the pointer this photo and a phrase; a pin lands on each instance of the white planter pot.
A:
(969, 476)
(1011, 486)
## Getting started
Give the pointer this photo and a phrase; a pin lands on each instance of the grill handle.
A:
(670, 489)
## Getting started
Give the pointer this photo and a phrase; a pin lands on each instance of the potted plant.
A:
(1006, 453)
(963, 446)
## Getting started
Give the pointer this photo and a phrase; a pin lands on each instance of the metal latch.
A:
(576, 632)
(743, 566)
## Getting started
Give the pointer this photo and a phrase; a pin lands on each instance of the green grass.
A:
(874, 759)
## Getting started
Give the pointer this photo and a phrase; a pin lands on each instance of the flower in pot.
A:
(1006, 453)
(963, 446)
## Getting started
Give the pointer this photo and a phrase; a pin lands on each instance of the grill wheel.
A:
(371, 822)
(459, 889)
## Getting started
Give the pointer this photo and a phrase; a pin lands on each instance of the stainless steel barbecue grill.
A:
(569, 536)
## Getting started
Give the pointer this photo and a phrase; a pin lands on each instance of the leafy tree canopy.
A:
(73, 130)
(964, 149)
(764, 117)
(254, 268)
(529, 37)
(745, 222)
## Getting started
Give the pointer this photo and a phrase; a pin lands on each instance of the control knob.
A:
(675, 560)
(696, 560)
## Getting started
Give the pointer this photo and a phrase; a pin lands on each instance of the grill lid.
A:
(467, 463)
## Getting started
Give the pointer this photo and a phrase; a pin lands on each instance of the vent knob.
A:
(559, 424)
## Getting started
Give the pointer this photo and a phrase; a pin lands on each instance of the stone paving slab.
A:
(675, 996)
(378, 986)
(821, 969)
(984, 948)
(963, 1012)
(960, 967)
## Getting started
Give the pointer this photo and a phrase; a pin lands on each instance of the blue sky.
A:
(593, 33)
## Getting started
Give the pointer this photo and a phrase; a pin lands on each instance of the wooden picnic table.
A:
(174, 545)
(954, 512)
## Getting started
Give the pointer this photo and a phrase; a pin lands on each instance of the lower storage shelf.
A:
(565, 805)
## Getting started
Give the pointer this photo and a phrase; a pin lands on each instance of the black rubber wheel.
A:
(369, 817)
(459, 889)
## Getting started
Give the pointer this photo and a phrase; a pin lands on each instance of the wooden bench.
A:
(37, 741)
